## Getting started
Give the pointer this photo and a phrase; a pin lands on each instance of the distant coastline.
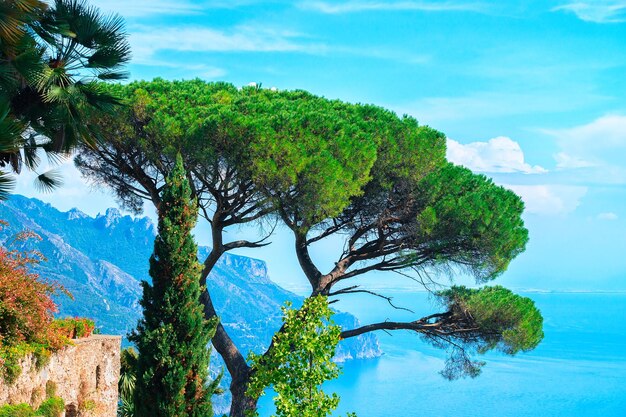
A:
(302, 290)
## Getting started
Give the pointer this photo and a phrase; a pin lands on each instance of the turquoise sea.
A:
(579, 370)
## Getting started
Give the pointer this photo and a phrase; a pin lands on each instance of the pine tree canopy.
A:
(358, 178)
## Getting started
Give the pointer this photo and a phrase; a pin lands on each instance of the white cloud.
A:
(211, 72)
(363, 6)
(608, 216)
(500, 154)
(597, 11)
(496, 104)
(142, 8)
(567, 161)
(382, 53)
(605, 132)
(549, 199)
(197, 70)
(147, 41)
(599, 146)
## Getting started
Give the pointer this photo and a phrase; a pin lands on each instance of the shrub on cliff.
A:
(27, 324)
(73, 328)
(172, 337)
(26, 309)
(52, 407)
(26, 305)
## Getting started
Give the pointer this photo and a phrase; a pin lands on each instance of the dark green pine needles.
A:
(173, 335)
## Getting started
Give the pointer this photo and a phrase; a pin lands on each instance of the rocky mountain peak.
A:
(75, 213)
(111, 217)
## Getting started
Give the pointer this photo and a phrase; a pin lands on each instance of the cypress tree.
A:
(172, 337)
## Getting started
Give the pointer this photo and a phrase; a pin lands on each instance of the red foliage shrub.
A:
(27, 324)
(26, 305)
(73, 328)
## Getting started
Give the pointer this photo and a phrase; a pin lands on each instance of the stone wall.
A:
(85, 376)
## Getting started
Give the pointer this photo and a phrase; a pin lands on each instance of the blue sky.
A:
(531, 93)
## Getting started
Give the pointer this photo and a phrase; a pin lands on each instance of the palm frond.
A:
(8, 77)
(113, 75)
(28, 63)
(15, 161)
(109, 56)
(10, 131)
(30, 6)
(31, 153)
(112, 30)
(97, 96)
(127, 384)
(45, 47)
(53, 78)
(49, 181)
(126, 408)
(57, 158)
(7, 184)
(11, 27)
(15, 16)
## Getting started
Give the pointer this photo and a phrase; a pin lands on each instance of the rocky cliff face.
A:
(102, 260)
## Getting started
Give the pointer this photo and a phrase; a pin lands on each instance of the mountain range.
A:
(102, 260)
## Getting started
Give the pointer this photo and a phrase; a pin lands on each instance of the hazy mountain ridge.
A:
(101, 261)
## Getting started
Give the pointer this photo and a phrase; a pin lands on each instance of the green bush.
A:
(88, 405)
(9, 359)
(73, 328)
(11, 369)
(10, 356)
(19, 410)
(52, 407)
(51, 389)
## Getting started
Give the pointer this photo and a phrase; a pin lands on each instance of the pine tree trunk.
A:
(234, 360)
(241, 403)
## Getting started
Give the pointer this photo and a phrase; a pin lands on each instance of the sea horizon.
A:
(577, 370)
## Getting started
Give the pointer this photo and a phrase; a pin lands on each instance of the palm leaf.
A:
(83, 21)
(8, 78)
(11, 28)
(44, 48)
(57, 158)
(126, 408)
(14, 17)
(111, 30)
(113, 75)
(127, 385)
(7, 184)
(49, 181)
(14, 159)
(97, 96)
(10, 131)
(109, 56)
(31, 156)
(30, 6)
(28, 62)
